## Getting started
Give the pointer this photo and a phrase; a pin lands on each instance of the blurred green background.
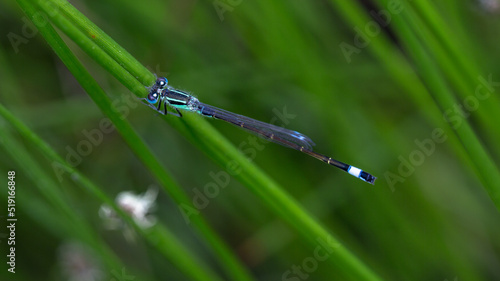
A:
(371, 82)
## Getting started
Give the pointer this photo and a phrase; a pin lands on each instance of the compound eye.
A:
(162, 82)
(152, 97)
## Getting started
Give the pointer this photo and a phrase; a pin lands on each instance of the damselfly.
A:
(161, 92)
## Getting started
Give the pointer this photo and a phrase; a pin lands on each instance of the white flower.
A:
(137, 206)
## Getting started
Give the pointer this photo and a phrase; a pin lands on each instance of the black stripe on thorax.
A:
(176, 97)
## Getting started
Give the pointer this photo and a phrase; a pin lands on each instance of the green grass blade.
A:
(484, 165)
(101, 39)
(478, 157)
(158, 236)
(457, 65)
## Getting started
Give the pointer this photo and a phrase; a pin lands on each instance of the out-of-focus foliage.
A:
(406, 90)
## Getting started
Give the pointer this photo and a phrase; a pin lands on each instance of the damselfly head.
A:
(156, 90)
